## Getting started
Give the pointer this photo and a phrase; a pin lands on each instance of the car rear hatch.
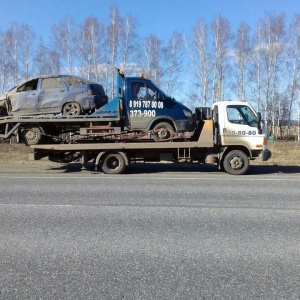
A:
(97, 91)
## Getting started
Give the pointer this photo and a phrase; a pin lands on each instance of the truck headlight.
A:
(187, 113)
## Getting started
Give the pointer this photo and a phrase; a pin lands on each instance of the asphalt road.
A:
(148, 234)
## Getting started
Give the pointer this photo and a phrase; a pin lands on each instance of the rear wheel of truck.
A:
(163, 131)
(236, 162)
(71, 109)
(31, 135)
(113, 163)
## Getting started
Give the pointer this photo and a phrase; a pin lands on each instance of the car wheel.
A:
(163, 131)
(72, 109)
(31, 135)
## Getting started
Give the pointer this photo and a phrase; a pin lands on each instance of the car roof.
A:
(51, 76)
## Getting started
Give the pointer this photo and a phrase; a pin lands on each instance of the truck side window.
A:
(241, 114)
(142, 91)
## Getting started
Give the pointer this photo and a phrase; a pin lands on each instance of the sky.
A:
(159, 17)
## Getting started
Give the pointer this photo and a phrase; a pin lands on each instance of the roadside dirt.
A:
(17, 155)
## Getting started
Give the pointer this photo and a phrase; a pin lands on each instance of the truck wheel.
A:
(31, 135)
(236, 162)
(163, 131)
(113, 163)
(71, 109)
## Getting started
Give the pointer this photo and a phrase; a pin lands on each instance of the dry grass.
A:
(15, 154)
(283, 154)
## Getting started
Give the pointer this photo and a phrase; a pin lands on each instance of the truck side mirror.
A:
(259, 122)
(258, 117)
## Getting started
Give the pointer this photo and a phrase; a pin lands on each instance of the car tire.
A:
(163, 131)
(72, 109)
(32, 135)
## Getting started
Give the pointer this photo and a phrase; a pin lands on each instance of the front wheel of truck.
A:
(236, 162)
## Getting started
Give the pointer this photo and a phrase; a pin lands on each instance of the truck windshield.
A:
(241, 114)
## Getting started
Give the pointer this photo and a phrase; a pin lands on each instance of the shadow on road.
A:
(145, 168)
(273, 169)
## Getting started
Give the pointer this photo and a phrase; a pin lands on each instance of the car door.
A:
(51, 94)
(24, 100)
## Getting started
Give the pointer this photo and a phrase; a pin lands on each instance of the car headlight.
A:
(187, 113)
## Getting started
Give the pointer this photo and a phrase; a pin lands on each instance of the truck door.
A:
(239, 121)
(142, 104)
(51, 94)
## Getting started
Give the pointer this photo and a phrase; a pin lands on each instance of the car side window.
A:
(74, 81)
(29, 86)
(51, 83)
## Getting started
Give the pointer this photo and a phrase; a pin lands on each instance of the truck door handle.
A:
(62, 90)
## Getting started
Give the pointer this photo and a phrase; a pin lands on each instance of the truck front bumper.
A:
(266, 154)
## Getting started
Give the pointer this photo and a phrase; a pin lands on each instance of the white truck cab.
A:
(238, 126)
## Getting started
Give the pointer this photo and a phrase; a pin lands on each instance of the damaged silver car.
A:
(53, 94)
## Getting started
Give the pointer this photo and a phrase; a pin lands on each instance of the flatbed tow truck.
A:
(230, 137)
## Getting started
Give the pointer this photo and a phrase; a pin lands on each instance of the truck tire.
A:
(113, 163)
(163, 131)
(31, 135)
(71, 109)
(236, 162)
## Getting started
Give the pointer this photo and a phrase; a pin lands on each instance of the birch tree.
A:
(113, 42)
(293, 86)
(129, 44)
(27, 37)
(272, 37)
(5, 61)
(221, 42)
(173, 63)
(57, 37)
(199, 58)
(88, 48)
(242, 52)
(67, 45)
(153, 53)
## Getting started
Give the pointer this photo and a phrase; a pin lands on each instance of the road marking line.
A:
(192, 206)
